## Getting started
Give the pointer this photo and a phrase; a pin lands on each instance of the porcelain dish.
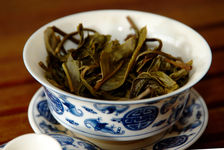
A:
(33, 141)
(65, 142)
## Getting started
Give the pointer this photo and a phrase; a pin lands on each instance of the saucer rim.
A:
(184, 146)
(203, 126)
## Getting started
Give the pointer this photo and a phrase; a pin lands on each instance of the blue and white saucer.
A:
(183, 134)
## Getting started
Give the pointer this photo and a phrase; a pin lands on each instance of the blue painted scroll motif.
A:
(175, 113)
(109, 109)
(72, 122)
(64, 140)
(71, 108)
(188, 114)
(44, 111)
(55, 103)
(87, 146)
(170, 142)
(49, 128)
(168, 105)
(161, 122)
(102, 127)
(189, 121)
(89, 110)
(69, 143)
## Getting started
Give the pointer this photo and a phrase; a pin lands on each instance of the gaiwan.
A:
(137, 96)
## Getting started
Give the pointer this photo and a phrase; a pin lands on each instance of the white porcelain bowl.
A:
(33, 141)
(121, 120)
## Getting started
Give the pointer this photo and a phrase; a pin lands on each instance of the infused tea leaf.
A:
(110, 65)
(168, 83)
(102, 68)
(179, 74)
(73, 71)
(116, 80)
(141, 40)
(51, 40)
(143, 82)
(121, 76)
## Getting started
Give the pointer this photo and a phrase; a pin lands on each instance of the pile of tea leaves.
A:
(102, 68)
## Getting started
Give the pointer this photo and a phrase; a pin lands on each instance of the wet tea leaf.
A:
(51, 40)
(74, 73)
(102, 68)
(112, 69)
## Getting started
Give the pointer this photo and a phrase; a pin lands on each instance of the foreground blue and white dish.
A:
(180, 136)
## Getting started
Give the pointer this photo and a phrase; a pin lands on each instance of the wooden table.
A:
(19, 19)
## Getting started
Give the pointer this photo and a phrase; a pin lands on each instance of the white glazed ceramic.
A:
(181, 135)
(33, 141)
(126, 120)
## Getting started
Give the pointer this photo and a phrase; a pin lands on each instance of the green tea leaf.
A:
(146, 83)
(119, 78)
(155, 65)
(141, 40)
(110, 62)
(51, 40)
(116, 80)
(178, 74)
(165, 81)
(98, 67)
(73, 70)
(85, 82)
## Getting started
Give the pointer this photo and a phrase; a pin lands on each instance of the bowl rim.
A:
(105, 101)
